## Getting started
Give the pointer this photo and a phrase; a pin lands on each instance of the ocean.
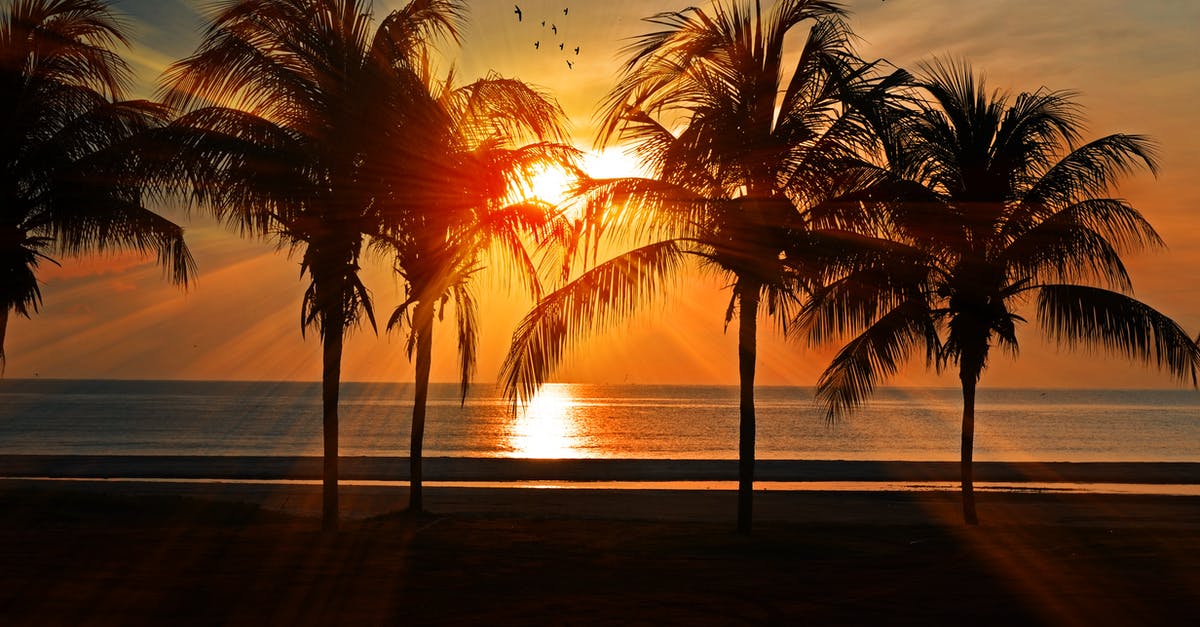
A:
(591, 421)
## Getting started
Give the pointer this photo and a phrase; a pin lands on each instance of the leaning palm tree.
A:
(993, 202)
(66, 186)
(740, 159)
(289, 108)
(449, 210)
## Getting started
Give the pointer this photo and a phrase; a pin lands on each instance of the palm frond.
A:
(1077, 315)
(638, 209)
(608, 292)
(825, 120)
(827, 43)
(336, 297)
(788, 14)
(1083, 241)
(861, 277)
(654, 61)
(89, 223)
(465, 312)
(783, 302)
(405, 31)
(19, 261)
(1034, 128)
(65, 42)
(874, 355)
(243, 168)
(1087, 172)
(652, 142)
(698, 52)
(243, 61)
(510, 228)
(498, 107)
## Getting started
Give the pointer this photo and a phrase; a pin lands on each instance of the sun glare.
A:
(611, 163)
(546, 428)
(553, 184)
(550, 185)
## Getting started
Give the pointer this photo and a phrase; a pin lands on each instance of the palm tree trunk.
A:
(747, 350)
(3, 331)
(969, 380)
(423, 319)
(331, 376)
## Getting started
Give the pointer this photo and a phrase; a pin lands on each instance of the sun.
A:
(550, 185)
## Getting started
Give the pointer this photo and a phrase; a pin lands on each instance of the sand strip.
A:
(804, 507)
(509, 469)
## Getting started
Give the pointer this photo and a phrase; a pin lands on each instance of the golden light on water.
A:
(548, 427)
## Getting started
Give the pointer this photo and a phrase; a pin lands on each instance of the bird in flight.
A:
(554, 28)
(565, 10)
(560, 46)
(517, 10)
(537, 44)
(570, 66)
(576, 50)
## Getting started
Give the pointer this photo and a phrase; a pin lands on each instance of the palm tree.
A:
(65, 161)
(737, 173)
(290, 108)
(993, 202)
(450, 212)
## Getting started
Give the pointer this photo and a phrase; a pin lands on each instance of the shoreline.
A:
(502, 469)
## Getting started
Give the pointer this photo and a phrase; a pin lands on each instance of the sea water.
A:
(597, 421)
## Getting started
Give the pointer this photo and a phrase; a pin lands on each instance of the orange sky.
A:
(1136, 66)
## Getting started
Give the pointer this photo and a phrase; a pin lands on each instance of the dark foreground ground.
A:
(97, 556)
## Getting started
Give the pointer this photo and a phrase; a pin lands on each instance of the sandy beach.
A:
(152, 553)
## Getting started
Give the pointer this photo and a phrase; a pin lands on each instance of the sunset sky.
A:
(1135, 66)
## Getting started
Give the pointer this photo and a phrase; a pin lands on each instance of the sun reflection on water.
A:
(548, 426)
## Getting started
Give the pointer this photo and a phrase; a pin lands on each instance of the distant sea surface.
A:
(596, 421)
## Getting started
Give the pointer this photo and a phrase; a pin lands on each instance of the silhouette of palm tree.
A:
(67, 184)
(447, 210)
(993, 202)
(735, 188)
(291, 110)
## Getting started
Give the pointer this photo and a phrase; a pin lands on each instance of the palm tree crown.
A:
(450, 208)
(66, 164)
(993, 201)
(740, 153)
(448, 211)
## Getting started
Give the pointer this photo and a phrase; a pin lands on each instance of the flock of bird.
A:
(537, 44)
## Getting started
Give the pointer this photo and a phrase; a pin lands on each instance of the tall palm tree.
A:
(740, 153)
(289, 110)
(450, 211)
(66, 186)
(994, 202)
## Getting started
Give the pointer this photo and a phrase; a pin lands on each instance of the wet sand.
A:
(376, 468)
(145, 553)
